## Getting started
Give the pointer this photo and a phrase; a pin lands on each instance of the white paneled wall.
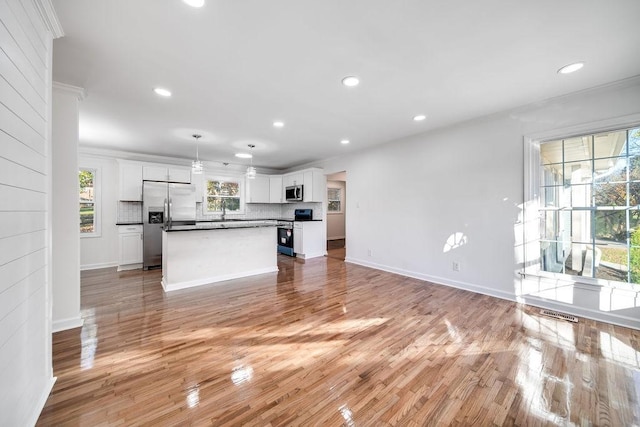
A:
(25, 307)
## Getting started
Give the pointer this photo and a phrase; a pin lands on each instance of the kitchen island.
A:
(194, 255)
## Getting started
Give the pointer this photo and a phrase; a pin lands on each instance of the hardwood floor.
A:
(328, 343)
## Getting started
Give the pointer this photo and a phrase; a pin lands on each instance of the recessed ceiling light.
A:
(419, 117)
(571, 68)
(244, 155)
(194, 3)
(351, 81)
(278, 124)
(345, 141)
(162, 92)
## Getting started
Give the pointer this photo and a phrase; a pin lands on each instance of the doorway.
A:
(336, 215)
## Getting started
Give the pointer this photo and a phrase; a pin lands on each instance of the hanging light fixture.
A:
(196, 165)
(251, 171)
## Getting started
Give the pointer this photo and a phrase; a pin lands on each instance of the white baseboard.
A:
(312, 255)
(615, 319)
(98, 266)
(42, 400)
(64, 324)
(215, 279)
(127, 267)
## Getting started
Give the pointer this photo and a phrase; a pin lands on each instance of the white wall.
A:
(466, 179)
(26, 375)
(65, 250)
(336, 221)
(102, 251)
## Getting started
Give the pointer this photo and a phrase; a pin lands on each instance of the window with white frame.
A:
(224, 195)
(589, 205)
(334, 198)
(89, 202)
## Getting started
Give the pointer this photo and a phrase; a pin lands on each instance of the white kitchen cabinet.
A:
(198, 182)
(130, 182)
(295, 178)
(130, 247)
(275, 189)
(166, 173)
(257, 189)
(309, 239)
(178, 174)
(315, 185)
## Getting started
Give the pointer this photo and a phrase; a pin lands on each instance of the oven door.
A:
(285, 241)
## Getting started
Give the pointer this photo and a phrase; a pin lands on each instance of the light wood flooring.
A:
(324, 343)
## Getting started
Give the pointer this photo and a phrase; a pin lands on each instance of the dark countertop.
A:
(223, 225)
(129, 223)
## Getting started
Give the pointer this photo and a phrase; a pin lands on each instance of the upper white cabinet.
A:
(295, 178)
(130, 182)
(313, 180)
(315, 185)
(275, 189)
(257, 189)
(165, 173)
(198, 181)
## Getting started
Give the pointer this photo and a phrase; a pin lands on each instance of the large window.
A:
(334, 198)
(589, 206)
(224, 195)
(89, 225)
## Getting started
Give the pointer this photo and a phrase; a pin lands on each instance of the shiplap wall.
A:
(25, 313)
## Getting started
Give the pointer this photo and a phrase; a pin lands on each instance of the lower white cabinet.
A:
(308, 239)
(130, 253)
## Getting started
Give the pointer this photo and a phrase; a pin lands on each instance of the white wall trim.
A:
(42, 400)
(79, 92)
(64, 324)
(535, 301)
(312, 255)
(49, 17)
(98, 266)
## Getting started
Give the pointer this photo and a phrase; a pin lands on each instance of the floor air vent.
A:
(558, 315)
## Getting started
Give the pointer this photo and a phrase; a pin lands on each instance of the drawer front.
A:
(122, 229)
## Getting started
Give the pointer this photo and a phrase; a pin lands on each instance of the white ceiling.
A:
(236, 66)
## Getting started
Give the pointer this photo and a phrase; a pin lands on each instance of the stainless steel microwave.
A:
(293, 193)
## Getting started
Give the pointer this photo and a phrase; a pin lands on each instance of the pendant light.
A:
(196, 165)
(251, 171)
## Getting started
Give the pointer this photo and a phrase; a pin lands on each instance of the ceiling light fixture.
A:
(419, 117)
(571, 68)
(351, 81)
(278, 124)
(162, 92)
(251, 171)
(344, 141)
(243, 155)
(194, 3)
(196, 165)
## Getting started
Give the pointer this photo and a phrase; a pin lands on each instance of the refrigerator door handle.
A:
(166, 212)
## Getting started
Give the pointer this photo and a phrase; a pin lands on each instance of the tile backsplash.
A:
(132, 211)
(129, 211)
(262, 211)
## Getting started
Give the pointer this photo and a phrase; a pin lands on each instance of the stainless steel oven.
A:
(285, 238)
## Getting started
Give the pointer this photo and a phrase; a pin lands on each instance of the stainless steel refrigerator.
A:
(163, 204)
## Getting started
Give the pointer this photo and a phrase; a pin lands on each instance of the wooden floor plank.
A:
(322, 342)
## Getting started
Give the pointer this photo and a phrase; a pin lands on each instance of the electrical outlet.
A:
(455, 266)
(368, 252)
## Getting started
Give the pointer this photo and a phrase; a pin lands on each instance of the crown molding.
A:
(80, 92)
(49, 17)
